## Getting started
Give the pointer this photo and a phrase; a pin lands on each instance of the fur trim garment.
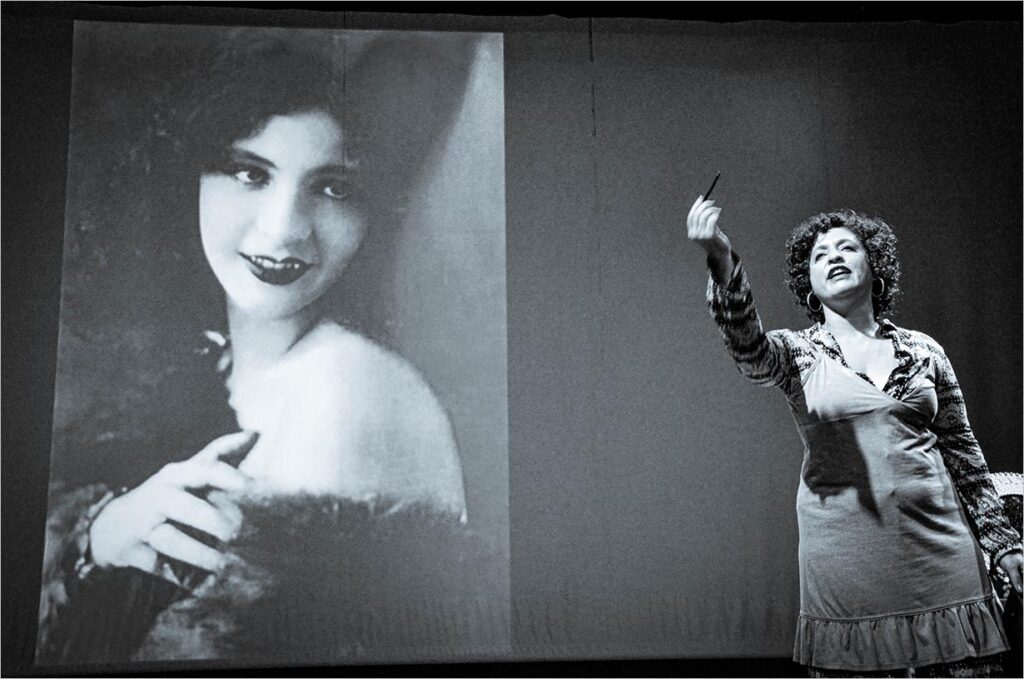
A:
(310, 579)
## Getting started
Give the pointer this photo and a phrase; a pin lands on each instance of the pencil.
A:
(708, 194)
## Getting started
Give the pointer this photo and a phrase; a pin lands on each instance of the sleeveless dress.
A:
(891, 575)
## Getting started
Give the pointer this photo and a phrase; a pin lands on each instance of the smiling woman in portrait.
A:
(295, 488)
(280, 219)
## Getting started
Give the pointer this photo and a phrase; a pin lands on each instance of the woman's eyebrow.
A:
(242, 154)
(337, 168)
(841, 241)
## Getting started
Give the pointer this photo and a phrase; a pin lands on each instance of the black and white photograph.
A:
(649, 339)
(280, 410)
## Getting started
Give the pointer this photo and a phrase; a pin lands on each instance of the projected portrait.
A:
(280, 412)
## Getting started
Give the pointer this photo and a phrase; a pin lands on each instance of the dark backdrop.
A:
(651, 488)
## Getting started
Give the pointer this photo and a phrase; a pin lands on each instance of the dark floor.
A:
(732, 667)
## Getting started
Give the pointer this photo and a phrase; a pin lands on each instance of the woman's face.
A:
(278, 218)
(839, 267)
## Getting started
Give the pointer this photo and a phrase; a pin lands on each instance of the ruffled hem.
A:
(969, 629)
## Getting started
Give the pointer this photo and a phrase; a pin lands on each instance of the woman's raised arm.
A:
(764, 358)
(702, 229)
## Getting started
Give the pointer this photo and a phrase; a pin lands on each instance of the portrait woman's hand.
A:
(133, 529)
(702, 229)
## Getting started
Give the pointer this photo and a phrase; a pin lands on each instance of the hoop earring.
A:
(881, 292)
(810, 296)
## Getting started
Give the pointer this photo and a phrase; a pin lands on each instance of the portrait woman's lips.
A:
(276, 271)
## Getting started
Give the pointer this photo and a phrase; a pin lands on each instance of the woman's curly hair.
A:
(155, 106)
(876, 236)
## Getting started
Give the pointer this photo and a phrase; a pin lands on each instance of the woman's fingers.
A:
(171, 542)
(1013, 565)
(231, 444)
(696, 222)
(706, 228)
(696, 203)
(227, 507)
(125, 532)
(201, 473)
(187, 509)
(1016, 576)
(713, 220)
(702, 222)
(223, 476)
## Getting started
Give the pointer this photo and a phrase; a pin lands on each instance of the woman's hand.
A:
(133, 530)
(1013, 563)
(702, 229)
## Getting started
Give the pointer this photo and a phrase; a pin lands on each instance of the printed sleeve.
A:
(765, 358)
(66, 559)
(966, 464)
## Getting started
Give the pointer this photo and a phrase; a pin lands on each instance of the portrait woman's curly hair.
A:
(144, 131)
(878, 239)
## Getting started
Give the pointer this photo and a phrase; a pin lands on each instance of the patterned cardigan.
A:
(781, 358)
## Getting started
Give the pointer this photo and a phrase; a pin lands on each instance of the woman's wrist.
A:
(721, 260)
(85, 564)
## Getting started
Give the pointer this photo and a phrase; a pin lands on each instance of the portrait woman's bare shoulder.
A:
(343, 415)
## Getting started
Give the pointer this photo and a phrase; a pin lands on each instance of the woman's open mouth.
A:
(276, 271)
(838, 271)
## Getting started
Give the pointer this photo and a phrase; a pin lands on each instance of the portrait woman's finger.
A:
(187, 509)
(144, 558)
(237, 443)
(227, 506)
(202, 473)
(171, 542)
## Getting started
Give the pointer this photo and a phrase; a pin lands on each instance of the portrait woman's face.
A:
(279, 219)
(839, 266)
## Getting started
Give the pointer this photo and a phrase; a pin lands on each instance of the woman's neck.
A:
(857, 320)
(258, 343)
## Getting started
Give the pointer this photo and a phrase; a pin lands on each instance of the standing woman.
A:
(891, 576)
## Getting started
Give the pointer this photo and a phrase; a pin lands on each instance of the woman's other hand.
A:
(134, 530)
(702, 229)
(1013, 564)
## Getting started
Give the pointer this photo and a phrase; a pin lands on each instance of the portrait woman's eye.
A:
(250, 175)
(336, 188)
